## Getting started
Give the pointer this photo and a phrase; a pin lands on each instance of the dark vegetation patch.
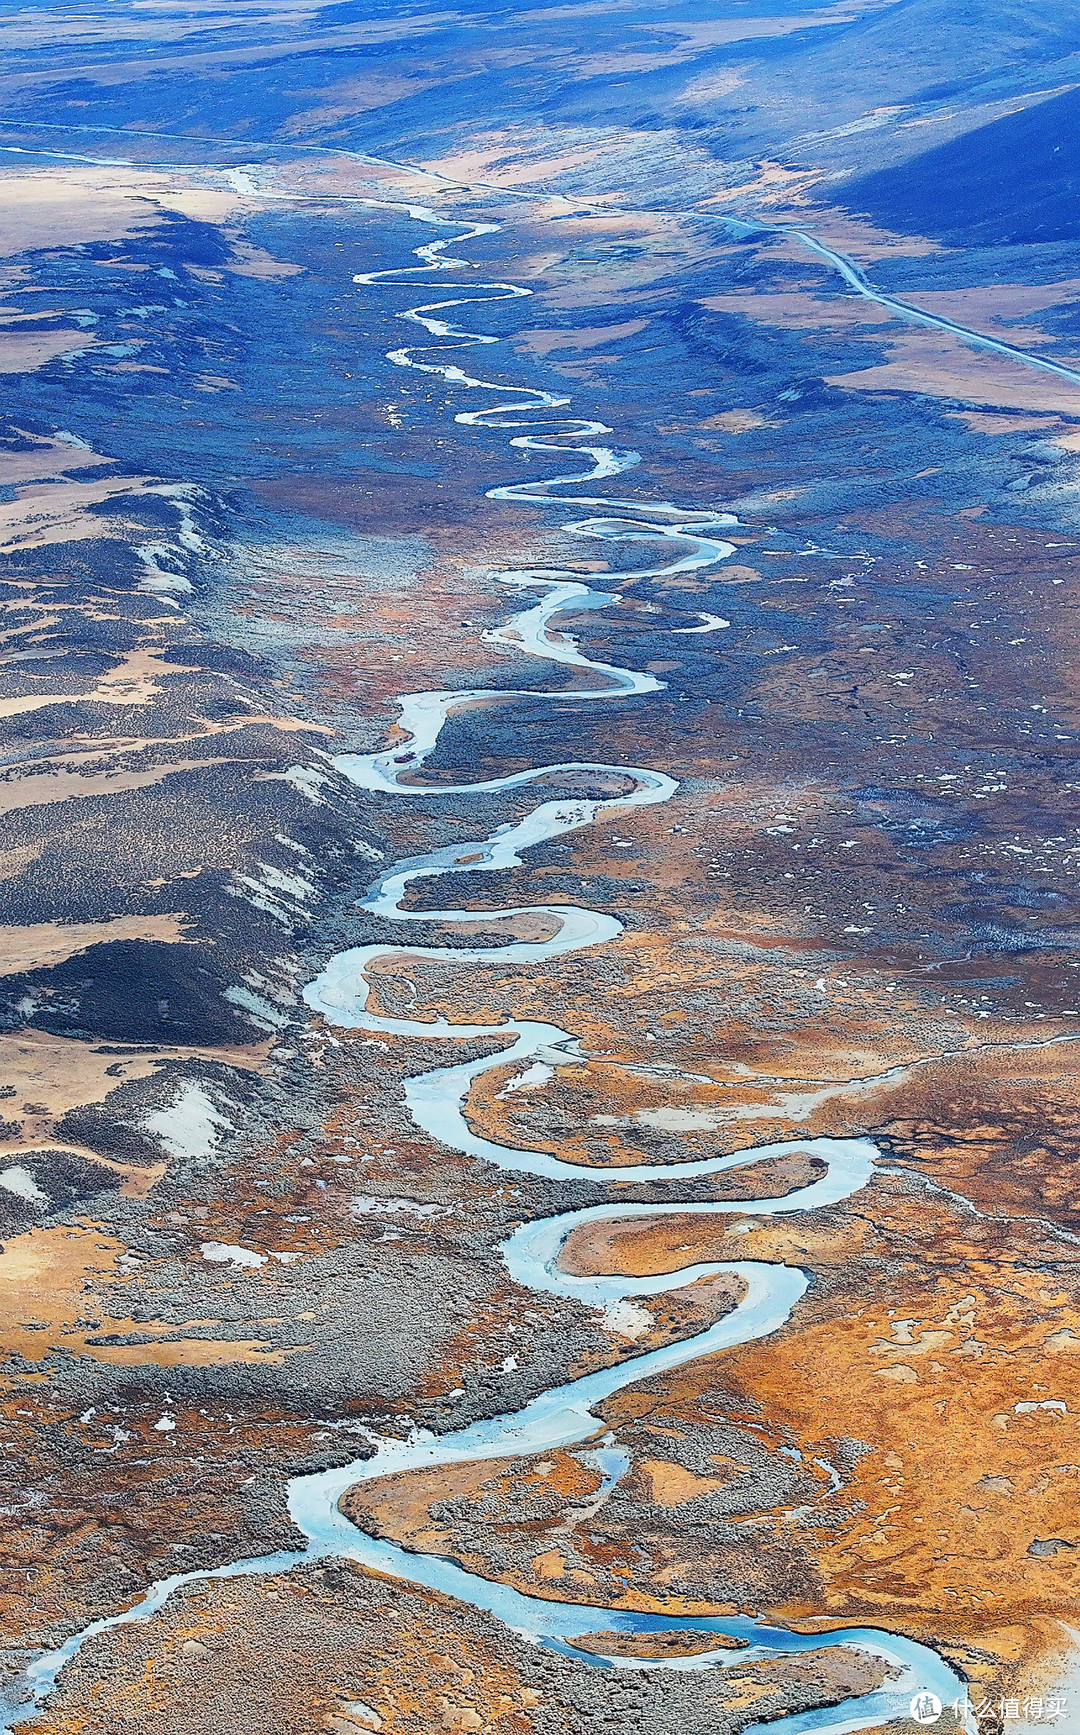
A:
(1016, 180)
(58, 1178)
(127, 990)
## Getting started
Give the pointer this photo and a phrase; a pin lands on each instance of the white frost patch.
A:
(627, 1319)
(220, 1253)
(680, 1120)
(508, 1366)
(308, 781)
(262, 1013)
(260, 984)
(710, 623)
(21, 1182)
(158, 583)
(241, 182)
(363, 1204)
(278, 894)
(159, 578)
(1047, 1404)
(363, 1714)
(293, 885)
(670, 1120)
(192, 1126)
(531, 1079)
(259, 900)
(164, 1425)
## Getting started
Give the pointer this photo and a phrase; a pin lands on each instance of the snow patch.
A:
(531, 1079)
(680, 1120)
(363, 1204)
(363, 1714)
(220, 1253)
(668, 1120)
(21, 1182)
(192, 1126)
(308, 781)
(627, 1319)
(262, 1013)
(292, 885)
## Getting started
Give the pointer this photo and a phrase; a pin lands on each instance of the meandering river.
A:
(565, 1414)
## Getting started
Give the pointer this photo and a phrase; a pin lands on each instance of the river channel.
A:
(564, 1415)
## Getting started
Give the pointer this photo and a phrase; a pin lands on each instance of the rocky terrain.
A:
(807, 277)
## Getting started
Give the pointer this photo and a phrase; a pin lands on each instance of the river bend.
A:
(563, 1415)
